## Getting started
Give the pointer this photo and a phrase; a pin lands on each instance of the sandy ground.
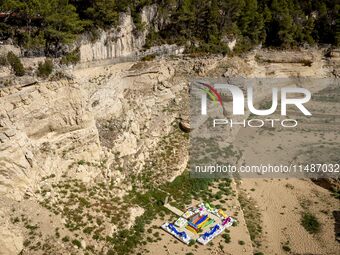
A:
(282, 201)
(281, 206)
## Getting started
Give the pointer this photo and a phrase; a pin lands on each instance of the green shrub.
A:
(218, 195)
(76, 243)
(192, 242)
(336, 194)
(240, 242)
(94, 34)
(45, 69)
(81, 162)
(27, 243)
(286, 248)
(34, 41)
(310, 223)
(148, 58)
(152, 39)
(88, 230)
(71, 58)
(16, 64)
(137, 20)
(110, 252)
(65, 239)
(243, 45)
(3, 61)
(226, 237)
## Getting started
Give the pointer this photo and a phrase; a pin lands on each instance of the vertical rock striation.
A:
(121, 41)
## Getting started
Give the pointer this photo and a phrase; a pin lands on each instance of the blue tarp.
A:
(211, 232)
(181, 234)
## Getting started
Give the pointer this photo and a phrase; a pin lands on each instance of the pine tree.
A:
(103, 13)
(280, 29)
(50, 24)
(62, 25)
(230, 13)
(251, 22)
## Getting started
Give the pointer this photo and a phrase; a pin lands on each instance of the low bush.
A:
(148, 58)
(45, 68)
(286, 248)
(226, 237)
(71, 58)
(65, 239)
(81, 162)
(110, 252)
(310, 223)
(3, 61)
(192, 242)
(16, 64)
(76, 243)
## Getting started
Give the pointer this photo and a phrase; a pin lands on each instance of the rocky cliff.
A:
(102, 126)
(48, 128)
(121, 41)
(37, 124)
(107, 123)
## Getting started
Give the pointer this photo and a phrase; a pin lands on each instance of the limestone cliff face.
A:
(72, 126)
(114, 114)
(38, 125)
(121, 41)
(101, 126)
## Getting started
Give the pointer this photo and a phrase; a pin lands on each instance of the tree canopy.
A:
(272, 23)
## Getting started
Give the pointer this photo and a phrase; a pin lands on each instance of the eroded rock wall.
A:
(124, 40)
(113, 115)
(38, 126)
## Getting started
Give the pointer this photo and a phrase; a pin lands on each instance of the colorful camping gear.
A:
(202, 223)
(223, 214)
(190, 228)
(203, 218)
(228, 222)
(182, 236)
(193, 225)
(210, 221)
(180, 222)
(209, 235)
(208, 206)
(196, 219)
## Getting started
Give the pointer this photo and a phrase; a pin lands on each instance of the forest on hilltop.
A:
(199, 24)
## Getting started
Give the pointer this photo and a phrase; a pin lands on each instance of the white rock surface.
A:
(121, 41)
